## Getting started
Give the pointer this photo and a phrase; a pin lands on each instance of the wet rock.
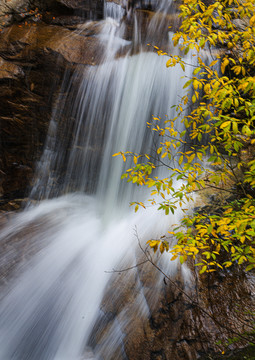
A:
(9, 70)
(74, 4)
(11, 7)
(17, 248)
(148, 21)
(75, 48)
(81, 4)
(34, 59)
(29, 43)
(24, 120)
(33, 10)
(176, 327)
(16, 181)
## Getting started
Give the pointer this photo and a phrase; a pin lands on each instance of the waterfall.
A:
(113, 10)
(84, 226)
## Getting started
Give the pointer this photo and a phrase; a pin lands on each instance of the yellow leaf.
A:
(169, 63)
(191, 158)
(224, 64)
(225, 124)
(195, 84)
(237, 69)
(228, 264)
(207, 88)
(200, 156)
(242, 239)
(193, 249)
(161, 248)
(213, 62)
(252, 20)
(204, 268)
(142, 204)
(153, 243)
(174, 257)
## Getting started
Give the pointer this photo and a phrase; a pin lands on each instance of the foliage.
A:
(215, 149)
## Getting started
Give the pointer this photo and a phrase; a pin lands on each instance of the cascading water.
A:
(113, 10)
(50, 305)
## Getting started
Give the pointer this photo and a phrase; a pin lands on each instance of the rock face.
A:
(172, 325)
(33, 60)
(19, 10)
(36, 49)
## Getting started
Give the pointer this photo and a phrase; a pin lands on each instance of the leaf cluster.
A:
(215, 148)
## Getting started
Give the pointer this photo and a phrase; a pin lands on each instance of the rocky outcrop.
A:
(69, 10)
(33, 59)
(33, 44)
(9, 70)
(172, 325)
(38, 44)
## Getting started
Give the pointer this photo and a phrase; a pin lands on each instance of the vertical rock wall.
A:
(36, 50)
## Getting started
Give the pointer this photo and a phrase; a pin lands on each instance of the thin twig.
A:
(126, 269)
(194, 303)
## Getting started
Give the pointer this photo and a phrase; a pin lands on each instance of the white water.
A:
(114, 11)
(48, 310)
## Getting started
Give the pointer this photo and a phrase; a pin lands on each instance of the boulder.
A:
(30, 42)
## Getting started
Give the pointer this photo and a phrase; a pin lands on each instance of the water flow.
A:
(49, 307)
(113, 11)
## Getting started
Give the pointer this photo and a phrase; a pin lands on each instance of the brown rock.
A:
(34, 59)
(149, 21)
(13, 6)
(9, 70)
(17, 179)
(28, 43)
(74, 4)
(175, 327)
